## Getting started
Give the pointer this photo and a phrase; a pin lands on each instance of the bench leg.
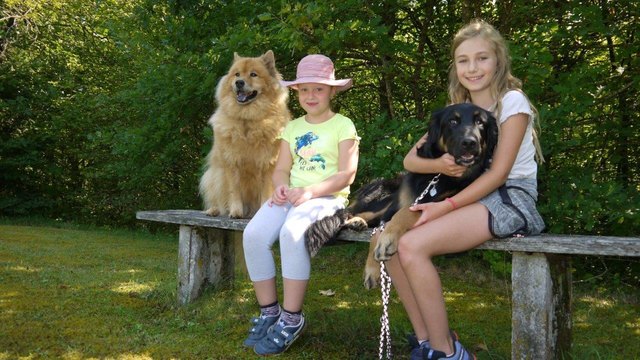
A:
(205, 257)
(541, 300)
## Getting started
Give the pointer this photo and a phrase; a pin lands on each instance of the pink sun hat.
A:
(319, 69)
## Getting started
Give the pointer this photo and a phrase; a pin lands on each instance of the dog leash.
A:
(385, 290)
(385, 332)
(385, 282)
(429, 189)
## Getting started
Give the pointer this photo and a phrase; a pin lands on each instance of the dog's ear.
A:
(431, 148)
(269, 61)
(236, 56)
(492, 136)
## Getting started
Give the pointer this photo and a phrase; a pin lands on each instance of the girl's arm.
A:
(445, 164)
(281, 174)
(347, 167)
(511, 134)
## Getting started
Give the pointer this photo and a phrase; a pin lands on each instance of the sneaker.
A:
(419, 350)
(279, 337)
(412, 340)
(416, 348)
(460, 354)
(260, 327)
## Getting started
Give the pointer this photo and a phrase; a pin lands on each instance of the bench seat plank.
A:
(546, 243)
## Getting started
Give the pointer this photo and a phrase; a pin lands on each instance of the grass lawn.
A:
(77, 293)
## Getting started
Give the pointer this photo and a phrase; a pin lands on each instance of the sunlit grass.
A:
(83, 293)
(132, 287)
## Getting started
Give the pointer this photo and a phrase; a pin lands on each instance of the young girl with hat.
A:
(316, 164)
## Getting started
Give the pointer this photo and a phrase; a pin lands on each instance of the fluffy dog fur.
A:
(467, 132)
(252, 111)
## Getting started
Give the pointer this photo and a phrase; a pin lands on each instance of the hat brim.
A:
(339, 84)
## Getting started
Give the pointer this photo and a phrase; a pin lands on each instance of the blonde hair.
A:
(503, 80)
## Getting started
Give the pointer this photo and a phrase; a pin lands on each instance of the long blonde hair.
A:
(503, 80)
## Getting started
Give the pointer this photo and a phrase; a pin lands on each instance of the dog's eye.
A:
(454, 121)
(479, 122)
(253, 74)
(237, 74)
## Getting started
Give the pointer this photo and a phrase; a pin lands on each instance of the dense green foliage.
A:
(104, 103)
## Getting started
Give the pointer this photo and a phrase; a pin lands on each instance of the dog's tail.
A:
(371, 201)
(325, 230)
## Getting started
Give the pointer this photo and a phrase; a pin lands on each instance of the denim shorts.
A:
(512, 209)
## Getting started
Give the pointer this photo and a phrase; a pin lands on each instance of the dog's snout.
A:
(239, 84)
(469, 143)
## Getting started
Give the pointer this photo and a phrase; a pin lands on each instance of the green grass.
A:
(72, 292)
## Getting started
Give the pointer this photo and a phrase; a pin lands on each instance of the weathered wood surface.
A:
(205, 257)
(546, 243)
(540, 306)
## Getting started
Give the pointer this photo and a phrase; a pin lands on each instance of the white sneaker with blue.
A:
(460, 353)
(417, 348)
(279, 337)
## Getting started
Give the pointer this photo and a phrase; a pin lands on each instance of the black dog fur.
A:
(467, 132)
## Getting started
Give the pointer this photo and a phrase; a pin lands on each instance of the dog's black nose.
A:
(469, 143)
(239, 84)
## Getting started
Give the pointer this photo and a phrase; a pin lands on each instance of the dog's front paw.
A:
(386, 247)
(356, 224)
(371, 276)
(212, 211)
(236, 211)
(236, 215)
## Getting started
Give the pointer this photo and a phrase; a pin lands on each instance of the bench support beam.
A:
(206, 256)
(541, 306)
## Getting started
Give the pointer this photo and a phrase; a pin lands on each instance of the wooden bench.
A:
(210, 249)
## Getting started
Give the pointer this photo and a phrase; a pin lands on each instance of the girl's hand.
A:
(279, 196)
(421, 141)
(449, 167)
(297, 196)
(430, 211)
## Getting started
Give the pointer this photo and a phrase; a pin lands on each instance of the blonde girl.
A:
(501, 203)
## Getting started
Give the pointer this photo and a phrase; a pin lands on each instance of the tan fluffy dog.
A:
(252, 111)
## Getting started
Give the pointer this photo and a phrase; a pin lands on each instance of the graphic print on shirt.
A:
(308, 157)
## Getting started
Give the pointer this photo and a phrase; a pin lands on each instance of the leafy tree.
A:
(104, 103)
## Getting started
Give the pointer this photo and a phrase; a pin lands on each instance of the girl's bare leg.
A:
(454, 232)
(401, 284)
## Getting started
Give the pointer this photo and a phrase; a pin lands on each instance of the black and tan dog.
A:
(467, 132)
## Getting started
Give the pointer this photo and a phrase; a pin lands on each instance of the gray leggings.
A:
(287, 223)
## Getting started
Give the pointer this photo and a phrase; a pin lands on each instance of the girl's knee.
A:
(405, 251)
(290, 235)
(252, 239)
(406, 245)
(291, 245)
(411, 250)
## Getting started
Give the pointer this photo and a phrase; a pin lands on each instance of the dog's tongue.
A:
(242, 97)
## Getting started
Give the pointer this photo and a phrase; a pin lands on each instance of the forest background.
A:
(104, 103)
